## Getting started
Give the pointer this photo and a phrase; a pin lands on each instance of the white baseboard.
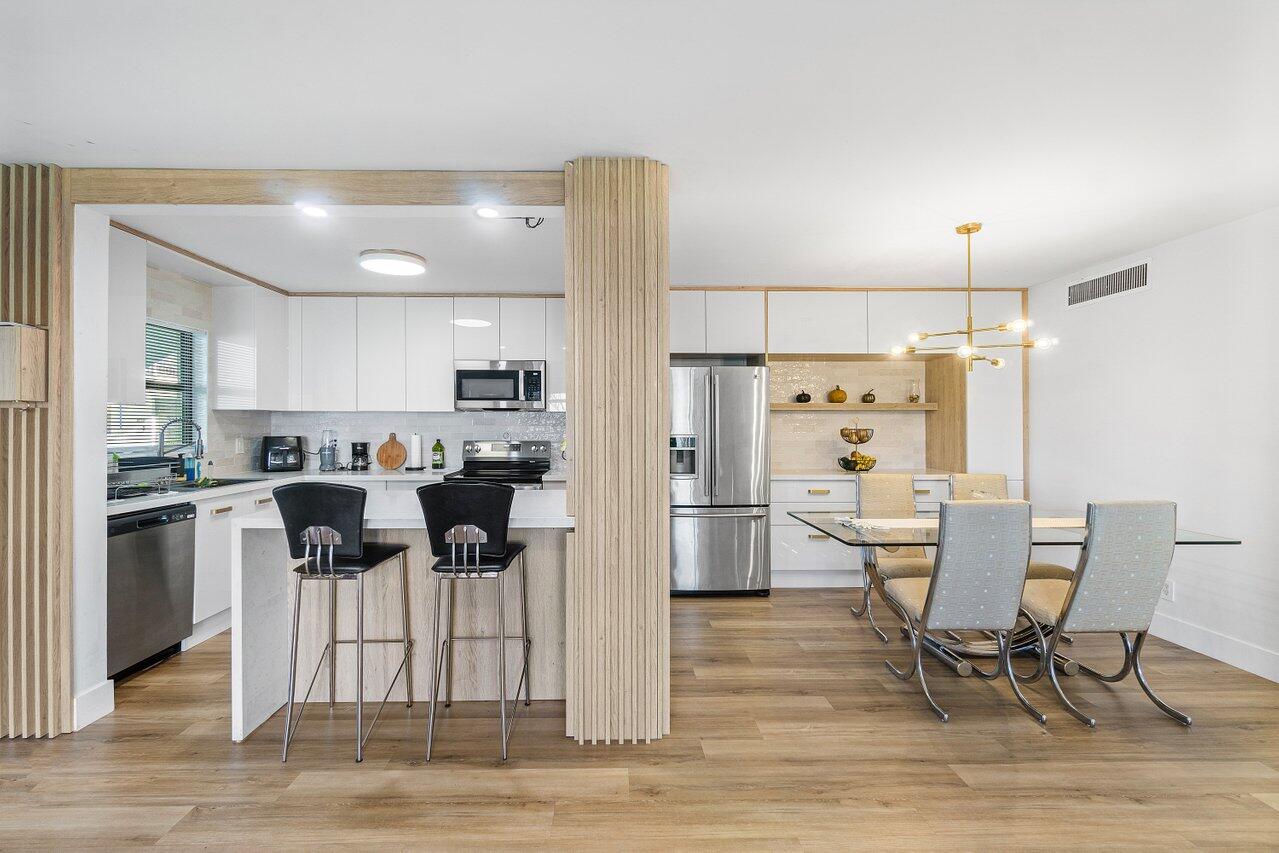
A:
(211, 627)
(93, 704)
(806, 579)
(1224, 648)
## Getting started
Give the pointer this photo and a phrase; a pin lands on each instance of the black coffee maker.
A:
(359, 456)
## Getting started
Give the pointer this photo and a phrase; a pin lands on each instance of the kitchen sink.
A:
(213, 484)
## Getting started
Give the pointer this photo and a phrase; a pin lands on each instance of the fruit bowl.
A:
(858, 462)
(856, 435)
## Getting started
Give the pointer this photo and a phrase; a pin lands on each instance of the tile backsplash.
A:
(806, 440)
(452, 428)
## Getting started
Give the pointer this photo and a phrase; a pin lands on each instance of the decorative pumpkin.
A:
(837, 395)
(803, 396)
(869, 396)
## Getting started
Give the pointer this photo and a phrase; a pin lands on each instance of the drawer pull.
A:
(220, 510)
(261, 501)
(819, 491)
(923, 491)
(818, 536)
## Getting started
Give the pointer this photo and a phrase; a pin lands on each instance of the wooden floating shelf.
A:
(853, 407)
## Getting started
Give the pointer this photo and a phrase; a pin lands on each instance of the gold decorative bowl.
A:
(856, 435)
(862, 464)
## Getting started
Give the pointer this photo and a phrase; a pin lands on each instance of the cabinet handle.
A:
(923, 491)
(818, 536)
(819, 491)
(261, 501)
(220, 510)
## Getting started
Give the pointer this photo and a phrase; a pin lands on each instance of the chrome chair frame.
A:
(318, 537)
(442, 652)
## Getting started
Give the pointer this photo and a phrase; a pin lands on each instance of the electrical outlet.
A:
(1169, 592)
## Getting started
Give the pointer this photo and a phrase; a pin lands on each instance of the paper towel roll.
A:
(415, 450)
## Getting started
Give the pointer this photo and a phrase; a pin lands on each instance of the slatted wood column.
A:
(35, 523)
(618, 585)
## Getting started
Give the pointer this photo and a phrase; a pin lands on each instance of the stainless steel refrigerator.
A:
(719, 479)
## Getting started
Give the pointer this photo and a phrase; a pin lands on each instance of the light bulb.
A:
(964, 351)
(1043, 343)
(997, 363)
(897, 350)
(1017, 325)
(916, 337)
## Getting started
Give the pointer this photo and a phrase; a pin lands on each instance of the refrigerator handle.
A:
(708, 450)
(715, 430)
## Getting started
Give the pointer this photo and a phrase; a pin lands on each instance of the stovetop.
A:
(520, 464)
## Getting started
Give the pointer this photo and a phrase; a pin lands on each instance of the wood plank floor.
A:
(787, 731)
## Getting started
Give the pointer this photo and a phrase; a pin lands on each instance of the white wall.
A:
(89, 684)
(1172, 393)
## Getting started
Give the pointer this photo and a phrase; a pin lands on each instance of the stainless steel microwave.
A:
(500, 385)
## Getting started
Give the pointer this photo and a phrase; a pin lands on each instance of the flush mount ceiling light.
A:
(970, 351)
(471, 322)
(486, 212)
(392, 262)
(311, 210)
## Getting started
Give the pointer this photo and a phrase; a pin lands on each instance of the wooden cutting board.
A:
(391, 454)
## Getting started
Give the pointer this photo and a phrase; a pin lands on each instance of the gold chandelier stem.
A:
(970, 296)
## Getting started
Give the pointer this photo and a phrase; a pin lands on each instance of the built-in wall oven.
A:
(499, 385)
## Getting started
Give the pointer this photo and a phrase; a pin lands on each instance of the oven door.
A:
(480, 385)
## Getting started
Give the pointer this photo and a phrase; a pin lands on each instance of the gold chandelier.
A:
(969, 351)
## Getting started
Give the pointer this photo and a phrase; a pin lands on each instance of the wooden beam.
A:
(287, 186)
(208, 262)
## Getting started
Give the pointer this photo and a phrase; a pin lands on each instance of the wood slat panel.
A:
(618, 567)
(35, 680)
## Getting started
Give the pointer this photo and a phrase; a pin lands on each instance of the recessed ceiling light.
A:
(311, 210)
(471, 322)
(392, 262)
(487, 212)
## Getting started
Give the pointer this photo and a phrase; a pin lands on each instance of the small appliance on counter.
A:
(359, 456)
(281, 453)
(329, 450)
(519, 464)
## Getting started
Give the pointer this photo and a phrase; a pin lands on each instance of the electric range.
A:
(519, 464)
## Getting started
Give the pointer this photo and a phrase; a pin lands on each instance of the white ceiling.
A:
(299, 253)
(809, 142)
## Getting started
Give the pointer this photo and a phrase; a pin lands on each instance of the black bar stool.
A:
(324, 526)
(473, 518)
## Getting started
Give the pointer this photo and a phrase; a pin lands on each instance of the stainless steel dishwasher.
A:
(150, 584)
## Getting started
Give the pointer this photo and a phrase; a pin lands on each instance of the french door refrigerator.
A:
(719, 479)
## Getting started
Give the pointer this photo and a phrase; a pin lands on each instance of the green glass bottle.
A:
(437, 456)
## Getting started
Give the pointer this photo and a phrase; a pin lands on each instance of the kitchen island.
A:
(262, 592)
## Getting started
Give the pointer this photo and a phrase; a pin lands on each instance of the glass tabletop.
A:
(1045, 530)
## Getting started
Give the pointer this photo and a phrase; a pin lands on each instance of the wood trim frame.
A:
(186, 253)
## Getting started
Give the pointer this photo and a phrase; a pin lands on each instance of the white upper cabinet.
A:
(688, 321)
(428, 353)
(522, 329)
(329, 354)
(995, 396)
(735, 321)
(295, 354)
(249, 349)
(477, 320)
(556, 380)
(817, 321)
(126, 318)
(381, 362)
(271, 323)
(893, 315)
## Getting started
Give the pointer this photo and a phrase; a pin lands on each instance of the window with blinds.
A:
(176, 370)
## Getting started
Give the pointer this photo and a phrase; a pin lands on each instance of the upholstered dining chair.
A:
(1115, 588)
(994, 487)
(889, 495)
(983, 549)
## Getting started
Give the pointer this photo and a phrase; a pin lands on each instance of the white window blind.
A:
(176, 372)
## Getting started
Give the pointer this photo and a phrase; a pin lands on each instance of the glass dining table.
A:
(871, 534)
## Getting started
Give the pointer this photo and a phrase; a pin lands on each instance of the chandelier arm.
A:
(1019, 344)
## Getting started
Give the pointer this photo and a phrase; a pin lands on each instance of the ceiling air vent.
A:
(1102, 287)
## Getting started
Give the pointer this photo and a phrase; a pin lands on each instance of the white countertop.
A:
(840, 474)
(400, 510)
(269, 480)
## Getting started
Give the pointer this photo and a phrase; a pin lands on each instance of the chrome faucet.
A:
(197, 445)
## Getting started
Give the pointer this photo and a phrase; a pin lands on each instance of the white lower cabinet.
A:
(213, 531)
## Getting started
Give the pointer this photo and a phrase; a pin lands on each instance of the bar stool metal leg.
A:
(408, 641)
(528, 640)
(448, 649)
(436, 661)
(501, 658)
(359, 670)
(333, 642)
(293, 668)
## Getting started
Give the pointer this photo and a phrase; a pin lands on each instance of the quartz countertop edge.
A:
(839, 474)
(271, 479)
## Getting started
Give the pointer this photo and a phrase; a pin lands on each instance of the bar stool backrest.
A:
(333, 505)
(983, 551)
(978, 487)
(888, 495)
(486, 506)
(1122, 568)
